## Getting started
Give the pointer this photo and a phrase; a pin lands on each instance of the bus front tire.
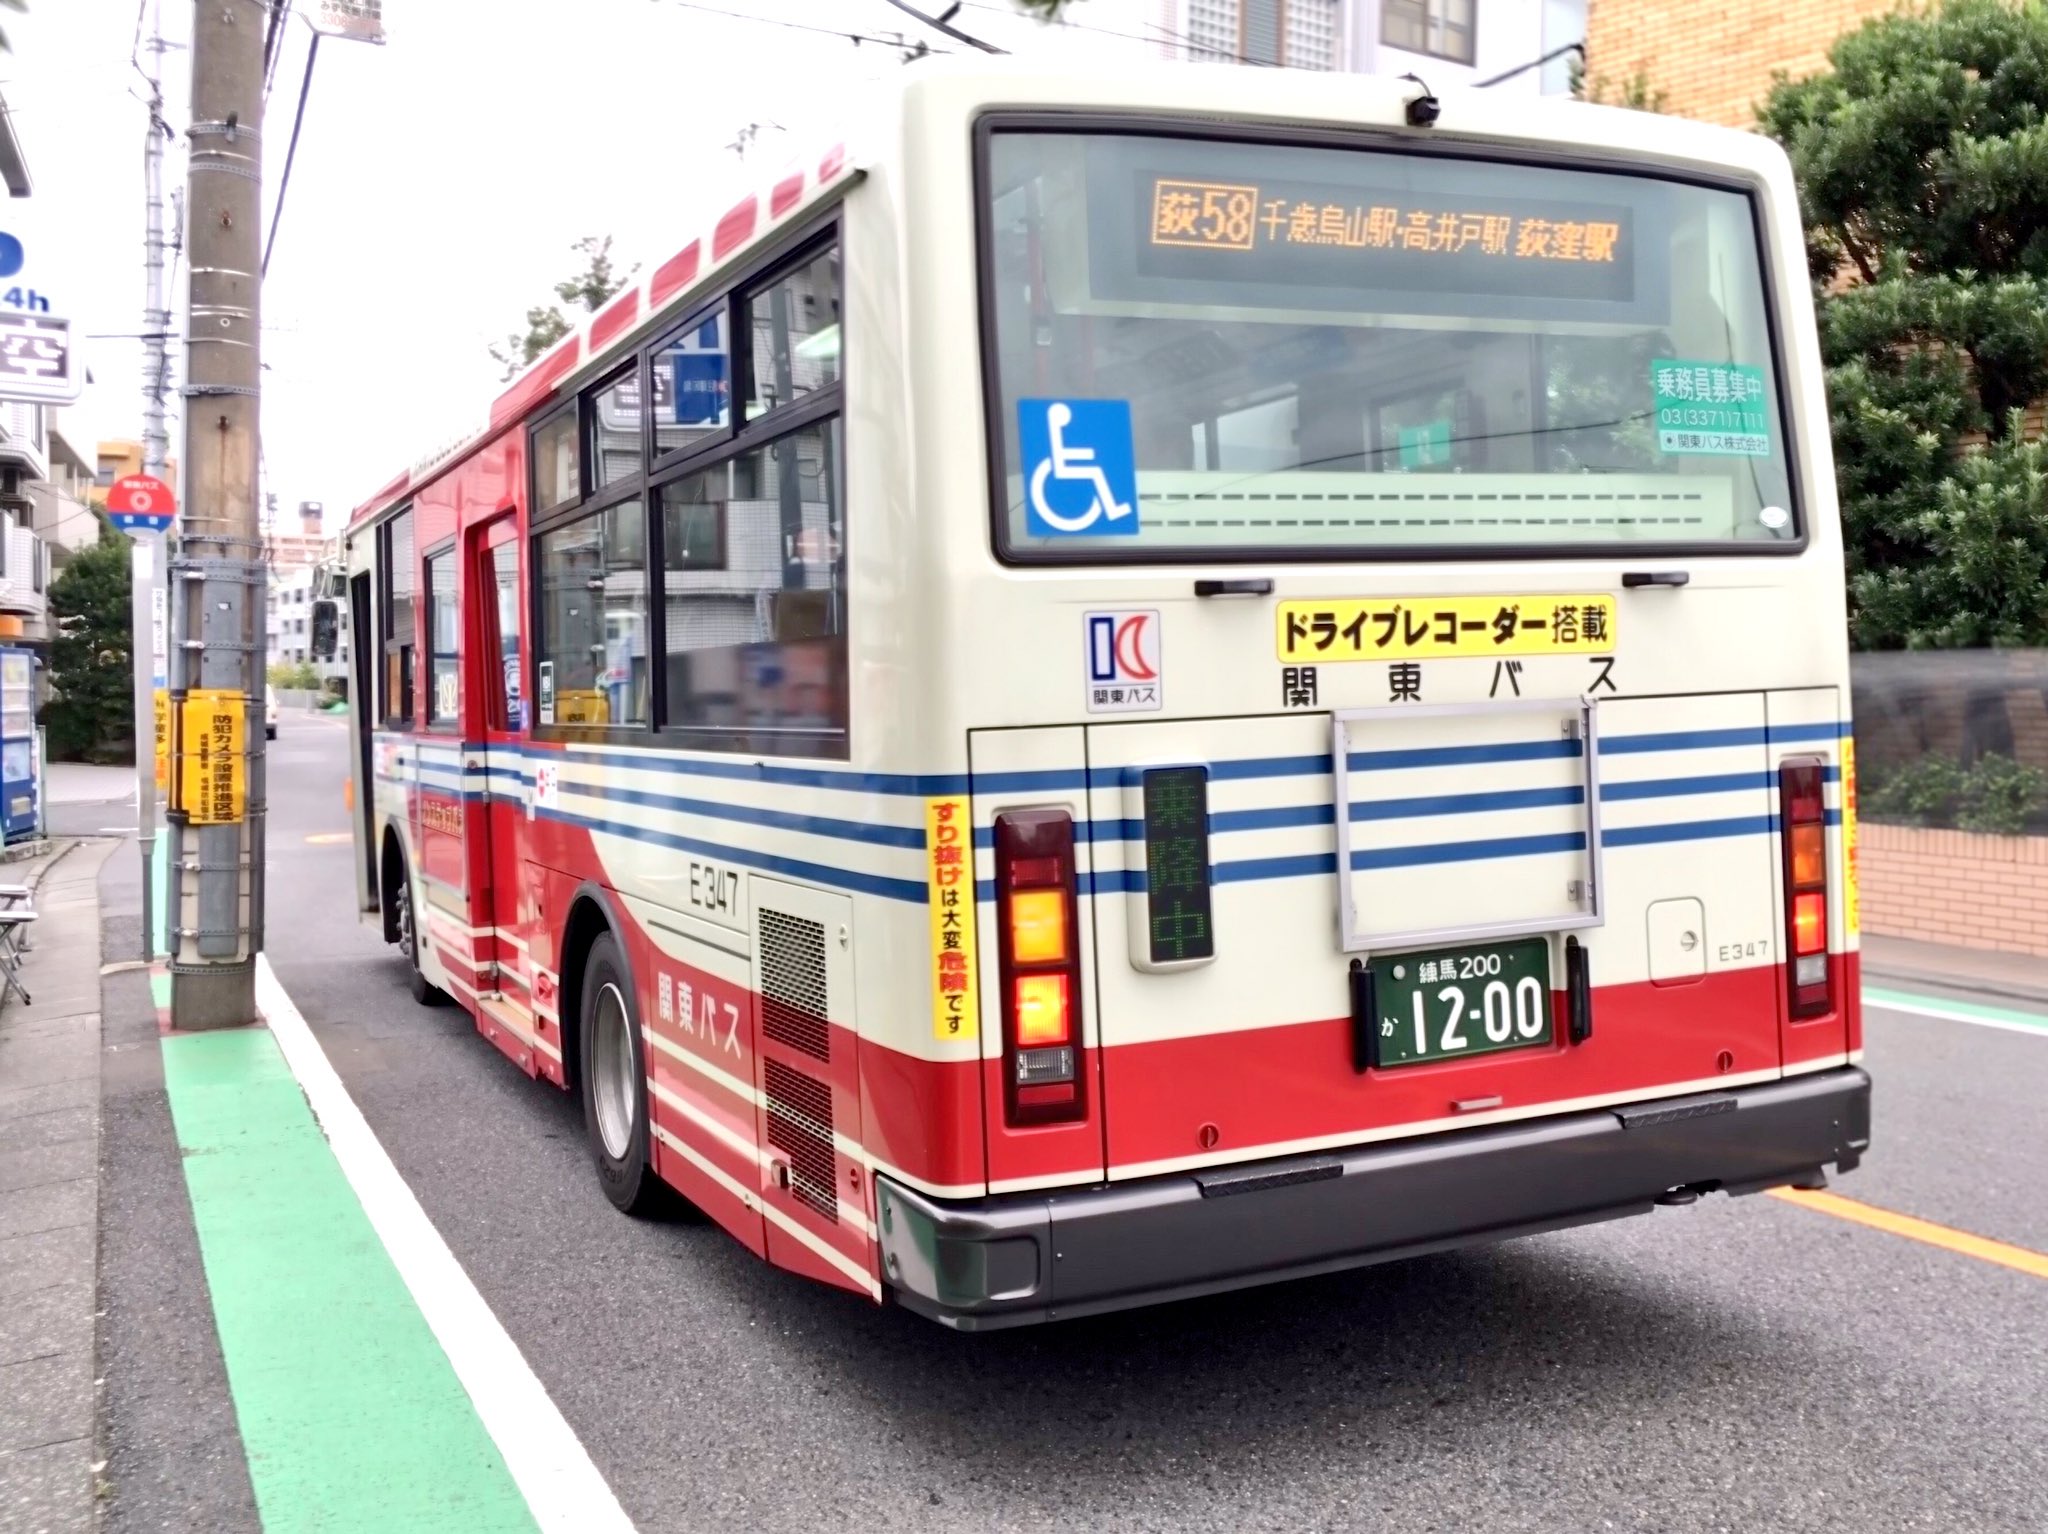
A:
(614, 1079)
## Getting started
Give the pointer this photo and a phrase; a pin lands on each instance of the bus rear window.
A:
(1209, 348)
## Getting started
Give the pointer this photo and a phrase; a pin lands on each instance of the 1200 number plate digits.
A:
(1455, 1002)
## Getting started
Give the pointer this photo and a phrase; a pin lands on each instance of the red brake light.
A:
(1802, 816)
(1038, 927)
(1041, 1007)
(1809, 923)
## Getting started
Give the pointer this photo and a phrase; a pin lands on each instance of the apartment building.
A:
(24, 557)
(24, 464)
(1448, 43)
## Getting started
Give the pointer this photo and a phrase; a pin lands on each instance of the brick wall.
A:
(1714, 61)
(1955, 887)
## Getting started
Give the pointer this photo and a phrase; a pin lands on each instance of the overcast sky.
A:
(439, 183)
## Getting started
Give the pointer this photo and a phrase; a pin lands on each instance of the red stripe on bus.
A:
(735, 229)
(788, 193)
(1261, 1089)
(537, 383)
(922, 1117)
(675, 274)
(622, 311)
(833, 162)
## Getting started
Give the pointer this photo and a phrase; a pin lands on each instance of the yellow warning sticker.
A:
(213, 790)
(949, 868)
(1444, 628)
(163, 740)
(1852, 916)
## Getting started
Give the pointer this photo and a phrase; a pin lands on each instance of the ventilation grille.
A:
(793, 1007)
(800, 1126)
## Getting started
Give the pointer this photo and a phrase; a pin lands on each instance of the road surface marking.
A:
(1953, 1011)
(329, 838)
(351, 1419)
(1979, 1247)
(562, 1486)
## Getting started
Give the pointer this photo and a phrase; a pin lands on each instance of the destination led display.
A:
(1292, 233)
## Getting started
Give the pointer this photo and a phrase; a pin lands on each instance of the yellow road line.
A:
(1979, 1247)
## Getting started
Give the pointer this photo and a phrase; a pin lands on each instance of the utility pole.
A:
(218, 577)
(149, 625)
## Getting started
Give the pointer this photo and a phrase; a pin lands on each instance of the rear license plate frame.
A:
(1587, 907)
(1474, 970)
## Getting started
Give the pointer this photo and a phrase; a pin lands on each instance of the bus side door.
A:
(501, 910)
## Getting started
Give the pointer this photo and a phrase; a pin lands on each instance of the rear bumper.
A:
(1037, 1257)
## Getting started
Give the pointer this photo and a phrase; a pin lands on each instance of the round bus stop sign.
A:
(141, 503)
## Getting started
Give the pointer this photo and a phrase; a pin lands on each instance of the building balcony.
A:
(24, 586)
(24, 443)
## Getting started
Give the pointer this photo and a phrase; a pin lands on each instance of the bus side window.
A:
(399, 576)
(507, 703)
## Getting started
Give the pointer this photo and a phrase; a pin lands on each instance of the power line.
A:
(284, 181)
(897, 41)
(1165, 35)
(940, 24)
(1555, 53)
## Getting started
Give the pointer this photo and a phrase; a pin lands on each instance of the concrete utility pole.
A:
(149, 625)
(218, 577)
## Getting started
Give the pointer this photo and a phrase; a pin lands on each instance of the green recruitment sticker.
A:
(1710, 407)
(1425, 446)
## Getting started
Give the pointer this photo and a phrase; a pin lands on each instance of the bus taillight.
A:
(1802, 811)
(1038, 932)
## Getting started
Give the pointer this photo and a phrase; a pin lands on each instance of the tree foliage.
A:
(92, 698)
(587, 291)
(1922, 161)
(1633, 90)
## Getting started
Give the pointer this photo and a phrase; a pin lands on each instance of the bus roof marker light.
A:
(1423, 108)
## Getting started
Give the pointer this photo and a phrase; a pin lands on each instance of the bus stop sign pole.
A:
(143, 507)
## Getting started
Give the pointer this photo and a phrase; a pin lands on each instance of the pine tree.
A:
(1922, 161)
(92, 700)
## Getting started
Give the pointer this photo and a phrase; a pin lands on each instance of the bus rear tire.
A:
(424, 991)
(614, 1078)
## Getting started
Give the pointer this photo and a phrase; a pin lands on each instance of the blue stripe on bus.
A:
(1464, 756)
(1234, 871)
(794, 868)
(1132, 881)
(1486, 849)
(1709, 740)
(1469, 804)
(866, 832)
(844, 780)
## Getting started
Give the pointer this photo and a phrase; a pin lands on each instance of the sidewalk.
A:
(49, 1201)
(1979, 971)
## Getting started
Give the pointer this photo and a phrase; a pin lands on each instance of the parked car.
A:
(270, 713)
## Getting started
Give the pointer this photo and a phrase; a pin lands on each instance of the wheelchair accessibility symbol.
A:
(1080, 471)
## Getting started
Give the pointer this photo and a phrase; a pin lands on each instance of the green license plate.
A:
(1453, 1002)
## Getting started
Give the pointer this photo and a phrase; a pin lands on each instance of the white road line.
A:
(553, 1471)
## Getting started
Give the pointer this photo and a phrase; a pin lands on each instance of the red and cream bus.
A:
(1140, 683)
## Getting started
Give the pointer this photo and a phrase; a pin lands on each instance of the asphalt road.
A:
(1739, 1365)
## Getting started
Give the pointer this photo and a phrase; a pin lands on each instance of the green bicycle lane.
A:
(351, 1415)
